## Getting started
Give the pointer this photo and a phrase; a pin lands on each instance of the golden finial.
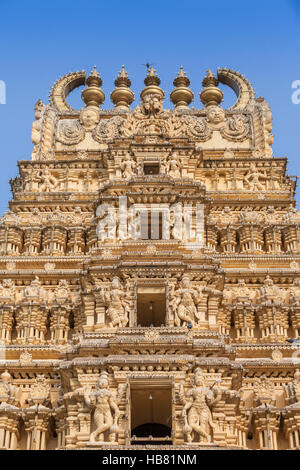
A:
(122, 96)
(152, 82)
(211, 94)
(181, 96)
(93, 95)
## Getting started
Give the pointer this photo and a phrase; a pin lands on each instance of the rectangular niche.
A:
(151, 413)
(151, 306)
(151, 168)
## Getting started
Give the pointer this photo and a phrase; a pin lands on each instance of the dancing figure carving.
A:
(196, 411)
(118, 307)
(183, 302)
(106, 413)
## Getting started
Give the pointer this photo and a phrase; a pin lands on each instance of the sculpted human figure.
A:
(264, 390)
(152, 104)
(270, 293)
(243, 292)
(215, 115)
(62, 291)
(7, 290)
(89, 117)
(184, 303)
(117, 306)
(175, 166)
(128, 167)
(8, 392)
(36, 128)
(196, 411)
(253, 177)
(106, 413)
(46, 181)
(35, 290)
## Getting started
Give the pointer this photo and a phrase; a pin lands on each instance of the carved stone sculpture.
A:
(36, 129)
(196, 412)
(118, 307)
(128, 167)
(106, 413)
(184, 301)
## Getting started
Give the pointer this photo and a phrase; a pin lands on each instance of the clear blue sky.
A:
(41, 41)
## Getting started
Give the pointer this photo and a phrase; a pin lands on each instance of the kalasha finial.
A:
(122, 96)
(181, 96)
(152, 83)
(211, 94)
(93, 95)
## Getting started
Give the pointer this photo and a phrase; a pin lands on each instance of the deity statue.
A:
(118, 306)
(8, 391)
(184, 302)
(264, 389)
(40, 391)
(62, 291)
(7, 290)
(215, 115)
(152, 104)
(243, 292)
(46, 181)
(196, 411)
(106, 413)
(89, 117)
(253, 177)
(36, 128)
(128, 167)
(268, 125)
(270, 293)
(164, 166)
(35, 290)
(175, 166)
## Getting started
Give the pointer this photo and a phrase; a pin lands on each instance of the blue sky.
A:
(41, 41)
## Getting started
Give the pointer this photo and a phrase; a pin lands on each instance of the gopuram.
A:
(150, 274)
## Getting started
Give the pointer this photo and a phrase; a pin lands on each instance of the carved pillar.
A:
(295, 318)
(213, 307)
(244, 321)
(92, 239)
(31, 323)
(36, 420)
(11, 240)
(212, 237)
(84, 424)
(89, 311)
(224, 319)
(6, 322)
(273, 239)
(32, 240)
(267, 426)
(292, 427)
(72, 426)
(99, 310)
(76, 240)
(251, 238)
(273, 322)
(291, 238)
(59, 324)
(228, 240)
(54, 240)
(9, 432)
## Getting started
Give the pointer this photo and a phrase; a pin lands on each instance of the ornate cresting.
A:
(150, 272)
